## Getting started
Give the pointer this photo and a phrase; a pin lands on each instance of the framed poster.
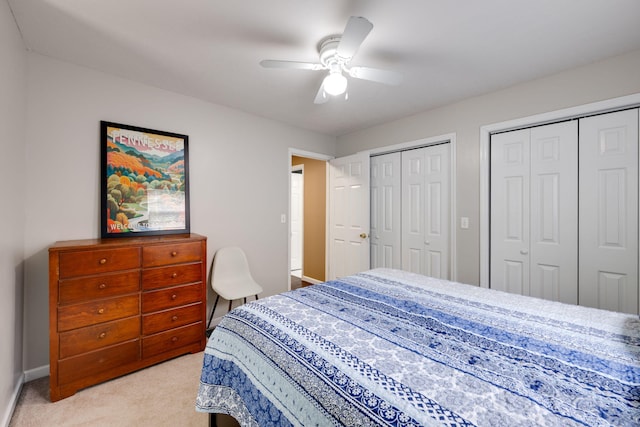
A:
(145, 181)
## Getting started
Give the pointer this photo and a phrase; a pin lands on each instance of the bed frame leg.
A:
(213, 420)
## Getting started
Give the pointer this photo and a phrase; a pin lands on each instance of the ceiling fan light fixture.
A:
(335, 84)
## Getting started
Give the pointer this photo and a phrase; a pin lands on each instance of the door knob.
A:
(363, 235)
(524, 251)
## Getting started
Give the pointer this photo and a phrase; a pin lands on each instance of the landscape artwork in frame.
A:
(145, 181)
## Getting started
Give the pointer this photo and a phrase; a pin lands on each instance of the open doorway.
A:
(310, 215)
(297, 220)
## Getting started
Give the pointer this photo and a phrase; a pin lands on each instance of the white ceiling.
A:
(447, 50)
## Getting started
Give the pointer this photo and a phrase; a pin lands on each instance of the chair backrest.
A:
(229, 266)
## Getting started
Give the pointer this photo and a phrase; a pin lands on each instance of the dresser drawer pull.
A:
(174, 296)
(103, 286)
(174, 275)
(174, 318)
(174, 339)
(102, 336)
(103, 261)
(101, 311)
(174, 253)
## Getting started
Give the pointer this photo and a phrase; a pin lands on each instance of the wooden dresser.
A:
(122, 304)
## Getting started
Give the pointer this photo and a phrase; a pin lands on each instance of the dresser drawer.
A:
(154, 256)
(83, 263)
(171, 297)
(89, 288)
(163, 277)
(168, 319)
(85, 365)
(97, 336)
(94, 312)
(170, 340)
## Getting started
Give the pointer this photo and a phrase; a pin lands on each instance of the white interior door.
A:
(349, 211)
(425, 210)
(296, 215)
(609, 211)
(385, 211)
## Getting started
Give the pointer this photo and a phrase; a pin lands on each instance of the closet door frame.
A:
(449, 138)
(610, 105)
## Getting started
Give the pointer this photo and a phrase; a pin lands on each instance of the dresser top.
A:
(125, 241)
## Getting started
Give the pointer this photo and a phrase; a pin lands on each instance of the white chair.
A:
(230, 277)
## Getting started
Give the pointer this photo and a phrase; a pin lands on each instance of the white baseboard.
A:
(34, 374)
(8, 413)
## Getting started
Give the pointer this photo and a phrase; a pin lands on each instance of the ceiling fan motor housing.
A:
(328, 52)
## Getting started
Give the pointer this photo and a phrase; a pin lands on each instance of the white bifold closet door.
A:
(609, 211)
(410, 199)
(386, 174)
(534, 215)
(564, 211)
(425, 211)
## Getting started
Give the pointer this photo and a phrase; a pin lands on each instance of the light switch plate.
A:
(464, 222)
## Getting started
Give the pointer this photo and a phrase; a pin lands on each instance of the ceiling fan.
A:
(336, 52)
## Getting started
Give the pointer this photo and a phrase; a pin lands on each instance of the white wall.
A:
(239, 167)
(615, 77)
(12, 164)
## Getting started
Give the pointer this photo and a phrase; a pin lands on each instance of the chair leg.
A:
(256, 297)
(245, 300)
(230, 301)
(213, 311)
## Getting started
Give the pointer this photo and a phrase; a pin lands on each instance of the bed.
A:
(387, 347)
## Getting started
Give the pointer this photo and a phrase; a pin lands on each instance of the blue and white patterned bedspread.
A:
(386, 347)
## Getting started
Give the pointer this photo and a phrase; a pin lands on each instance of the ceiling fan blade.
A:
(376, 75)
(355, 32)
(272, 63)
(321, 96)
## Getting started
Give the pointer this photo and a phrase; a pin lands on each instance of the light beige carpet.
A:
(162, 395)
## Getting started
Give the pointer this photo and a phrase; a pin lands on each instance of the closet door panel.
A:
(534, 212)
(413, 190)
(385, 211)
(554, 212)
(425, 210)
(437, 210)
(609, 211)
(510, 212)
